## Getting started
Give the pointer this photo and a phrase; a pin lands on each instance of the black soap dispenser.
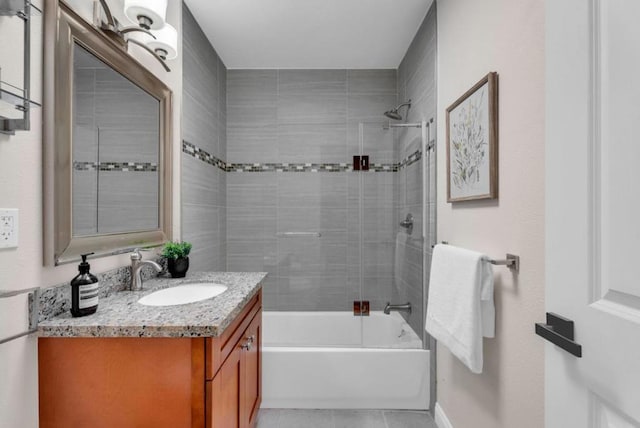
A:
(84, 291)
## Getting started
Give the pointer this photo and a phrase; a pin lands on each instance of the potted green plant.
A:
(177, 255)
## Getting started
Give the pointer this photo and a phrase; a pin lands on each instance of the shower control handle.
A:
(407, 223)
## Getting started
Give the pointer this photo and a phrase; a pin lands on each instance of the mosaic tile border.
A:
(289, 167)
(196, 152)
(410, 160)
(116, 166)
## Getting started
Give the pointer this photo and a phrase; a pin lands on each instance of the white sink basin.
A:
(181, 294)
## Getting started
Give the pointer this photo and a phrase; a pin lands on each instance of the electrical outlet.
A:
(8, 228)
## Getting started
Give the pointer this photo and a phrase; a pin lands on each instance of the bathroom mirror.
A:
(107, 144)
(116, 131)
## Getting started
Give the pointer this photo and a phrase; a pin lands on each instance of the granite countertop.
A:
(120, 314)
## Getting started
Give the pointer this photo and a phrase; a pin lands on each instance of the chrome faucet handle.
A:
(135, 255)
(136, 269)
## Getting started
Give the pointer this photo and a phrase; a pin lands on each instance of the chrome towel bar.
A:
(34, 297)
(511, 260)
(298, 234)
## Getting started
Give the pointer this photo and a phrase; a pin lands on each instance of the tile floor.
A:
(285, 418)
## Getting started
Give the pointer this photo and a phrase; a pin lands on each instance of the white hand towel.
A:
(460, 310)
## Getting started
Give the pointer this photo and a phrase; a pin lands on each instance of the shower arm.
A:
(408, 103)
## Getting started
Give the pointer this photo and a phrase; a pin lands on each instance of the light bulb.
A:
(165, 43)
(149, 14)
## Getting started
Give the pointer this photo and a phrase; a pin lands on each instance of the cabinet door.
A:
(223, 394)
(107, 382)
(251, 366)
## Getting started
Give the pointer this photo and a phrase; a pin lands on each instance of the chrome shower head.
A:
(393, 113)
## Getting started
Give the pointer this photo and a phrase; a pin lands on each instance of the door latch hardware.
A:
(361, 308)
(361, 163)
(364, 308)
(356, 163)
(559, 331)
(364, 163)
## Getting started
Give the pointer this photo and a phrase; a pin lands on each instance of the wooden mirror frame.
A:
(62, 29)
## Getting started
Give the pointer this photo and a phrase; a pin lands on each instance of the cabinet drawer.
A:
(217, 349)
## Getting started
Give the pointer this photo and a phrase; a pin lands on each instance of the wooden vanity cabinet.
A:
(224, 394)
(251, 397)
(154, 382)
(233, 395)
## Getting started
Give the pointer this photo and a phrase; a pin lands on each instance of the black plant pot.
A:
(178, 267)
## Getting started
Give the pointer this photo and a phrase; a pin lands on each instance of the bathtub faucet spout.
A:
(405, 308)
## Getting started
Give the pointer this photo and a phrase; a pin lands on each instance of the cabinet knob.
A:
(247, 345)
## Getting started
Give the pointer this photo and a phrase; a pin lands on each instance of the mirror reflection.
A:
(116, 146)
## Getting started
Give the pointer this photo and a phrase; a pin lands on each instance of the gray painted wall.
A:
(204, 119)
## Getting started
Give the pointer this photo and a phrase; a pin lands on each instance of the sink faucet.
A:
(406, 308)
(136, 267)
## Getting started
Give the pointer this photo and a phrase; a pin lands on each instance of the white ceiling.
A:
(310, 33)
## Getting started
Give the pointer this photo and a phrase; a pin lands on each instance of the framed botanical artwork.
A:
(472, 143)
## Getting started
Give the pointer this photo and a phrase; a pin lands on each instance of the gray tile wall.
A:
(308, 116)
(417, 81)
(204, 124)
(311, 116)
(114, 121)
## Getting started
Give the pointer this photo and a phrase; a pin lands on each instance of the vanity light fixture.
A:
(166, 42)
(152, 33)
(149, 14)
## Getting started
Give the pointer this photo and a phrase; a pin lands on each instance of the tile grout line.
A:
(277, 188)
(384, 419)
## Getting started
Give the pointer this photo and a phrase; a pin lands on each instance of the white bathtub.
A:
(332, 360)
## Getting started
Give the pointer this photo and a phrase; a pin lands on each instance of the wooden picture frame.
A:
(472, 143)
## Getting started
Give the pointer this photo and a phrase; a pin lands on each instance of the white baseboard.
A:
(441, 419)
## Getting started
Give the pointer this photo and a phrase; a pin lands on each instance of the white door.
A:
(593, 210)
